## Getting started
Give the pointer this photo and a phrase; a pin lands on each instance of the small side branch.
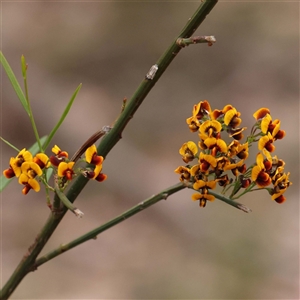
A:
(231, 202)
(209, 39)
(163, 195)
(78, 213)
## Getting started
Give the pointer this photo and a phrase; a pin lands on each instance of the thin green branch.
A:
(126, 215)
(231, 202)
(163, 195)
(107, 143)
(224, 199)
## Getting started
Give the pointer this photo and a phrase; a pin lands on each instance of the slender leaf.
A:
(24, 66)
(34, 149)
(14, 82)
(32, 121)
(49, 173)
(9, 144)
(52, 133)
(4, 182)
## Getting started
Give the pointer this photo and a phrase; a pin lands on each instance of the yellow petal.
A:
(255, 172)
(89, 153)
(34, 185)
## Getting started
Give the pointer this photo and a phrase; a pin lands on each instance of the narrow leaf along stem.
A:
(24, 72)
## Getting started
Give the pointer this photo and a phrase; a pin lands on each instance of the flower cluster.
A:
(26, 167)
(30, 169)
(223, 163)
(65, 168)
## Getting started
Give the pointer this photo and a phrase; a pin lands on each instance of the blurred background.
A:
(173, 250)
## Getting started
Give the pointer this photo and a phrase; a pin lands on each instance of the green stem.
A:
(107, 143)
(124, 216)
(25, 266)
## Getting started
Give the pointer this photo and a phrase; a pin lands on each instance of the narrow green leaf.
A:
(24, 66)
(9, 144)
(34, 149)
(49, 173)
(52, 133)
(4, 182)
(14, 82)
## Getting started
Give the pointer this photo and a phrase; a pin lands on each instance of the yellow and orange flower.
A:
(98, 175)
(66, 170)
(188, 151)
(222, 162)
(267, 125)
(210, 129)
(259, 174)
(203, 187)
(31, 169)
(92, 157)
(42, 160)
(236, 133)
(16, 163)
(216, 145)
(59, 153)
(266, 142)
(200, 184)
(261, 113)
(232, 116)
(29, 183)
(239, 150)
(206, 161)
(200, 111)
(184, 172)
(203, 197)
(280, 186)
(10, 173)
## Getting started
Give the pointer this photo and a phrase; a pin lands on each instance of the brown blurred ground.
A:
(173, 250)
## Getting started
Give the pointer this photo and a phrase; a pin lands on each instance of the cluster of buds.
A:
(217, 157)
(30, 170)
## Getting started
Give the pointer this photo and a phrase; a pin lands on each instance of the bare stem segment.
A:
(163, 195)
